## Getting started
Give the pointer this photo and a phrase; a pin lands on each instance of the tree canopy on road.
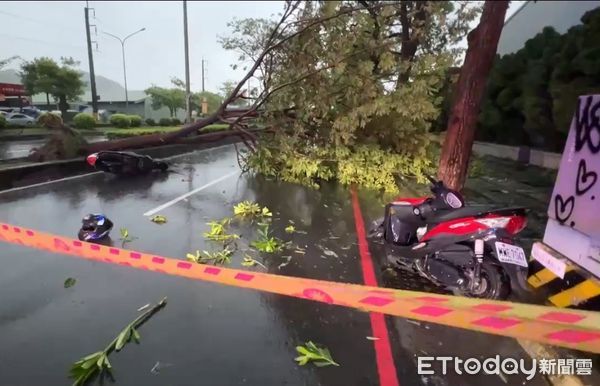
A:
(349, 90)
(352, 87)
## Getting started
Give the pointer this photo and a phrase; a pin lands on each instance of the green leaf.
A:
(290, 229)
(159, 219)
(100, 361)
(136, 335)
(88, 357)
(70, 282)
(320, 356)
(121, 340)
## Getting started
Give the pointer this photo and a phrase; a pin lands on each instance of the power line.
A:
(41, 41)
(45, 23)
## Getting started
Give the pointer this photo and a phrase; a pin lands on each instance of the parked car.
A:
(18, 119)
(33, 112)
(9, 110)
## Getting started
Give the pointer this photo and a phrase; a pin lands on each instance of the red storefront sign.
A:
(10, 89)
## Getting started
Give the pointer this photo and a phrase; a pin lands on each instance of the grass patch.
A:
(111, 132)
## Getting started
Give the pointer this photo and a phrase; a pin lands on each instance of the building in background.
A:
(13, 95)
(533, 16)
(110, 93)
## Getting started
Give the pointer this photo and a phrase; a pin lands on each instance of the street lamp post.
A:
(122, 41)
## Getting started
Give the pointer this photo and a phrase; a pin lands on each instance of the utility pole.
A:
(202, 74)
(188, 98)
(91, 62)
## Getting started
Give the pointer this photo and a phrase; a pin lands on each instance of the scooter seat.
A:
(472, 211)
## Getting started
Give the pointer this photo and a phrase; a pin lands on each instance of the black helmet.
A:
(162, 165)
(94, 227)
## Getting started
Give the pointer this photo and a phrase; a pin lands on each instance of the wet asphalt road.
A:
(208, 334)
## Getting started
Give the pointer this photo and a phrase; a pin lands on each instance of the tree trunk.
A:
(63, 106)
(410, 33)
(483, 42)
(152, 139)
(220, 114)
(48, 101)
(155, 140)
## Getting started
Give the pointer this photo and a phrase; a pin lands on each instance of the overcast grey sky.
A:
(32, 29)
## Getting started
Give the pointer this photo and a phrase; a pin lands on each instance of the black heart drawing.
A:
(560, 207)
(585, 180)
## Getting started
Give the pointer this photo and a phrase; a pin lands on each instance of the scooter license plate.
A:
(511, 254)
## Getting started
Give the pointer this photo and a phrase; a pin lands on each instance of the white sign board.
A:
(575, 203)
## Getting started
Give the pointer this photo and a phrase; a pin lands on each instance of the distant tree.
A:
(227, 88)
(171, 98)
(213, 100)
(44, 75)
(532, 93)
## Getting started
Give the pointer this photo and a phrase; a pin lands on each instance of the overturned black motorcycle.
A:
(125, 163)
(470, 250)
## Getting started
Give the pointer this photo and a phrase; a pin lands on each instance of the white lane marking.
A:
(175, 200)
(48, 182)
(93, 173)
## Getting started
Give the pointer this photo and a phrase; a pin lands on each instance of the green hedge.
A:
(136, 120)
(532, 94)
(165, 122)
(120, 120)
(115, 134)
(150, 122)
(84, 121)
(3, 123)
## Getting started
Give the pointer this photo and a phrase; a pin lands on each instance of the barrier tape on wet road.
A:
(567, 328)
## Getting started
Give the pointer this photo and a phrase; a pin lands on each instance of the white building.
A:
(533, 16)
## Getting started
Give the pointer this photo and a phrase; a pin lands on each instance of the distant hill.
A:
(107, 89)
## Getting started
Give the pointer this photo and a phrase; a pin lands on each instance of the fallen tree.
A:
(349, 89)
(64, 136)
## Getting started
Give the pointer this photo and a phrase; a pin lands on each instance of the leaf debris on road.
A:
(70, 282)
(158, 219)
(320, 356)
(82, 370)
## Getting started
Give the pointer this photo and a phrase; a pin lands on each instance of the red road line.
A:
(383, 349)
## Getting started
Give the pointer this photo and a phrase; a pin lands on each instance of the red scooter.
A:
(470, 250)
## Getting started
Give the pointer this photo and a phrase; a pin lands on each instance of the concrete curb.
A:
(22, 175)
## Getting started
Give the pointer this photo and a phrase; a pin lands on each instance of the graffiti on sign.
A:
(574, 201)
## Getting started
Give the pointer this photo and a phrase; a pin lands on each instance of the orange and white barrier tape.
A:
(568, 328)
